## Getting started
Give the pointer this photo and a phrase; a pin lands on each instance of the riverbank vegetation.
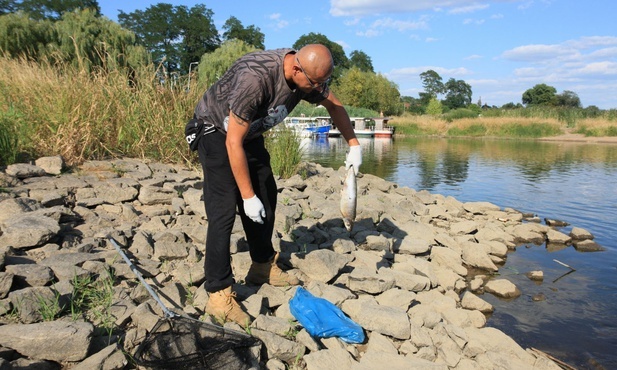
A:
(76, 84)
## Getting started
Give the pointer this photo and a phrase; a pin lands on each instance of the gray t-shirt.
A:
(254, 88)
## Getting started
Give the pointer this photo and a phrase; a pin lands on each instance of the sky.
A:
(499, 47)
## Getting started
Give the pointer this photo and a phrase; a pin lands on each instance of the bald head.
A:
(317, 61)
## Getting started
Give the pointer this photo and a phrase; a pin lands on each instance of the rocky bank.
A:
(412, 272)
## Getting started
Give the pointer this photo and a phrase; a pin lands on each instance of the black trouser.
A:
(221, 197)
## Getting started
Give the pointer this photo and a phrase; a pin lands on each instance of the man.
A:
(254, 95)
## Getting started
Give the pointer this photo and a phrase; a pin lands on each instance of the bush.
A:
(284, 145)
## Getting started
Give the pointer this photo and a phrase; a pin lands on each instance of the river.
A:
(573, 182)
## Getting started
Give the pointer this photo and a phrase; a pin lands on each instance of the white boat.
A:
(380, 129)
(309, 126)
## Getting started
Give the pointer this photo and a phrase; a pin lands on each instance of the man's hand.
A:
(354, 158)
(254, 209)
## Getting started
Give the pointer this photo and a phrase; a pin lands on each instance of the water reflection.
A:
(575, 182)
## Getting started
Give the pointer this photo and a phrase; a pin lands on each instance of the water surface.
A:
(573, 182)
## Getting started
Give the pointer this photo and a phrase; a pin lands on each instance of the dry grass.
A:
(60, 110)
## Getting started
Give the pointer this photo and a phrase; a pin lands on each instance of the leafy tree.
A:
(174, 35)
(21, 36)
(7, 6)
(199, 34)
(54, 9)
(432, 83)
(368, 90)
(360, 59)
(458, 94)
(434, 107)
(214, 65)
(86, 40)
(341, 62)
(251, 35)
(540, 94)
(568, 99)
(80, 38)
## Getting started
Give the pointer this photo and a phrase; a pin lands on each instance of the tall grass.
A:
(64, 110)
(284, 146)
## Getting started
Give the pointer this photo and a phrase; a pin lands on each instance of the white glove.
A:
(254, 209)
(354, 158)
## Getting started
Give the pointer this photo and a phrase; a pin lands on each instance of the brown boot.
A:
(269, 272)
(223, 306)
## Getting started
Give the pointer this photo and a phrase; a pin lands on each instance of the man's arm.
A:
(236, 132)
(339, 116)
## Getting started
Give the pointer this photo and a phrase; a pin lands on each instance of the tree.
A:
(21, 36)
(199, 34)
(214, 65)
(80, 38)
(360, 59)
(54, 9)
(368, 90)
(458, 94)
(432, 83)
(338, 54)
(7, 6)
(434, 107)
(251, 35)
(568, 99)
(540, 94)
(174, 35)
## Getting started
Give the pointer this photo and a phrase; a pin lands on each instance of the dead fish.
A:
(349, 199)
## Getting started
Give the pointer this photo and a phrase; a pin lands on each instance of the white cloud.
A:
(399, 25)
(469, 8)
(534, 53)
(342, 8)
(415, 71)
(343, 44)
(473, 21)
(473, 57)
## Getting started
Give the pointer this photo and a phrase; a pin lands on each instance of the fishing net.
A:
(180, 342)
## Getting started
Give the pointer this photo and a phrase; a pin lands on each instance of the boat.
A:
(309, 126)
(382, 129)
(364, 127)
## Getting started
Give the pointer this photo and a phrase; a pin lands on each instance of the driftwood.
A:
(559, 363)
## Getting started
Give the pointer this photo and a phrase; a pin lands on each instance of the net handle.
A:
(152, 293)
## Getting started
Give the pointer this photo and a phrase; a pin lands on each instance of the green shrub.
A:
(284, 145)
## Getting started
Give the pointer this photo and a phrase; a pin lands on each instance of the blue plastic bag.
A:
(323, 319)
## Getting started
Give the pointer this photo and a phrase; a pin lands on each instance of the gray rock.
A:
(554, 236)
(6, 280)
(535, 275)
(471, 301)
(328, 359)
(279, 347)
(412, 246)
(449, 259)
(30, 274)
(13, 207)
(321, 265)
(367, 281)
(382, 319)
(32, 302)
(502, 288)
(51, 165)
(475, 255)
(109, 358)
(28, 231)
(153, 195)
(578, 233)
(70, 340)
(170, 246)
(588, 245)
(24, 170)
